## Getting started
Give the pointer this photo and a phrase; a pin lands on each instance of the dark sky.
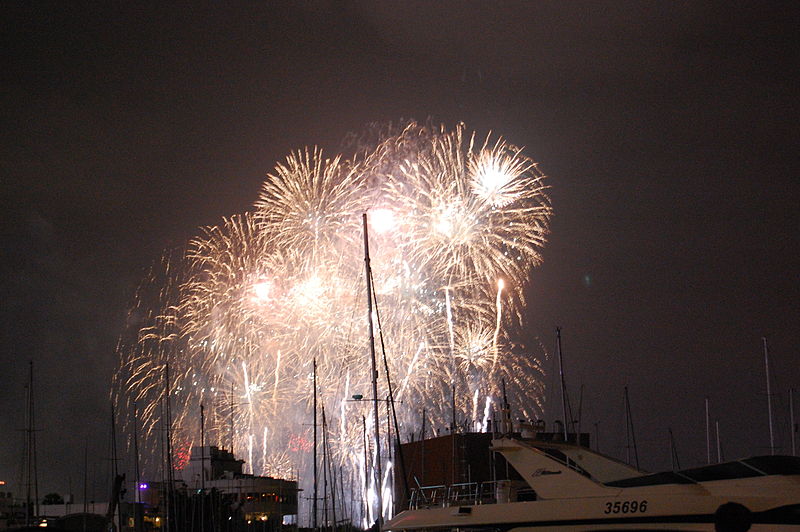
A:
(668, 130)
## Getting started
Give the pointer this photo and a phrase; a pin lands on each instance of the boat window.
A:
(724, 471)
(775, 465)
(668, 477)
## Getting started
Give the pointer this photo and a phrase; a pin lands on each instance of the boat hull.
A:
(675, 513)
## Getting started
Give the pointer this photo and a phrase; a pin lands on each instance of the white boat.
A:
(575, 489)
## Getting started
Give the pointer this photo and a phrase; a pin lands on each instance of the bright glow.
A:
(486, 413)
(489, 185)
(241, 314)
(263, 290)
(382, 220)
(309, 292)
(444, 223)
(143, 485)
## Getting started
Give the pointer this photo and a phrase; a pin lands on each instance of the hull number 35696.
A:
(626, 507)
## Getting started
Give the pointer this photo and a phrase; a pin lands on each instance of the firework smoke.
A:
(456, 225)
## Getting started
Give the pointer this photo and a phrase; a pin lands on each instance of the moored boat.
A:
(571, 488)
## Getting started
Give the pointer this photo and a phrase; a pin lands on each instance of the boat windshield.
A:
(751, 467)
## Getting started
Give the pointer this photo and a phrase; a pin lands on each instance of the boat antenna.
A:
(378, 475)
(563, 385)
(769, 398)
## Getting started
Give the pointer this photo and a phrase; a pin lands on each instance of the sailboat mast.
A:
(115, 489)
(708, 436)
(31, 502)
(170, 478)
(390, 399)
(676, 464)
(202, 468)
(365, 499)
(769, 398)
(378, 474)
(563, 385)
(791, 419)
(330, 469)
(138, 497)
(314, 501)
(325, 521)
(231, 417)
(629, 424)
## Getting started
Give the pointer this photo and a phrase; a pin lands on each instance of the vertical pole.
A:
(170, 483)
(719, 449)
(708, 436)
(453, 436)
(580, 417)
(331, 470)
(791, 419)
(85, 481)
(202, 448)
(673, 451)
(28, 443)
(629, 421)
(596, 437)
(378, 475)
(136, 459)
(202, 468)
(365, 508)
(32, 480)
(115, 491)
(563, 386)
(422, 457)
(231, 416)
(325, 521)
(769, 398)
(453, 409)
(314, 500)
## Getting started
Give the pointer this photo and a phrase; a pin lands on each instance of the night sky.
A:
(668, 130)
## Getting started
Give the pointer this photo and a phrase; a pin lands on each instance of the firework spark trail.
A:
(458, 225)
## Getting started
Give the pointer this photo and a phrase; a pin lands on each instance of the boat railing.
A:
(465, 493)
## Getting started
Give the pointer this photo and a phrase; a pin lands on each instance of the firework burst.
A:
(239, 316)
